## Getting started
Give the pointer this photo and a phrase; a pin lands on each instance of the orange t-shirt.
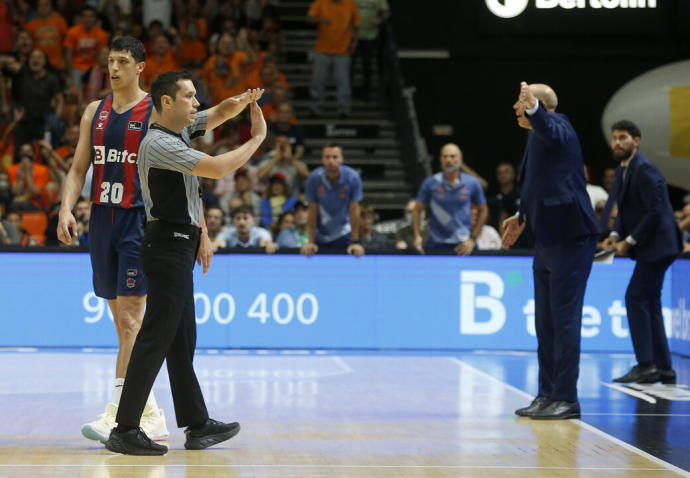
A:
(202, 29)
(254, 80)
(64, 150)
(155, 66)
(334, 39)
(85, 45)
(193, 51)
(49, 36)
(224, 77)
(271, 113)
(41, 174)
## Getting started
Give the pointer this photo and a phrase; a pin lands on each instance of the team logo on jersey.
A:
(134, 125)
(341, 194)
(103, 115)
(440, 192)
(132, 272)
(322, 191)
(463, 193)
(131, 283)
(101, 156)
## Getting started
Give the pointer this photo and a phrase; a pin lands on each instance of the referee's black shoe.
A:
(210, 433)
(539, 403)
(133, 442)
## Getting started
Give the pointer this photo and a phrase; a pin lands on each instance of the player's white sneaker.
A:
(153, 423)
(99, 430)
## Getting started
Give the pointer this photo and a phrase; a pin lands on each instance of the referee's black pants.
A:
(168, 331)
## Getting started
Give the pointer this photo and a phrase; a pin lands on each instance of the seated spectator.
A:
(70, 142)
(6, 196)
(28, 180)
(281, 160)
(208, 197)
(296, 235)
(504, 197)
(283, 126)
(274, 99)
(285, 221)
(82, 213)
(215, 223)
(242, 190)
(245, 234)
(154, 29)
(277, 200)
(164, 58)
(96, 80)
(488, 239)
(370, 238)
(595, 193)
(23, 238)
(268, 77)
(608, 177)
(389, 227)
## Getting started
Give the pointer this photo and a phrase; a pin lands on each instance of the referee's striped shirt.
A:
(165, 161)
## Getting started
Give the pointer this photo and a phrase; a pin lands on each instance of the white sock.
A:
(151, 401)
(119, 383)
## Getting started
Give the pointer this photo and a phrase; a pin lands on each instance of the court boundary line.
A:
(582, 424)
(632, 393)
(313, 466)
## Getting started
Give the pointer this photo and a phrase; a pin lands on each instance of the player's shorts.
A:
(115, 236)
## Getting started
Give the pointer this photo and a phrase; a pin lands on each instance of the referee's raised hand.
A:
(258, 121)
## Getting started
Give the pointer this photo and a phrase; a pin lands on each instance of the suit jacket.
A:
(554, 197)
(645, 212)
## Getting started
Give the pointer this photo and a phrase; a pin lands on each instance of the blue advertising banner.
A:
(289, 301)
(680, 299)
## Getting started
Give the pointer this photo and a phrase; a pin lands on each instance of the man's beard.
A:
(451, 168)
(622, 154)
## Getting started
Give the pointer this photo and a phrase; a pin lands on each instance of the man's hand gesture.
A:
(527, 98)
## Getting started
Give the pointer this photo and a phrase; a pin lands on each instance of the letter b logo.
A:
(470, 302)
(507, 8)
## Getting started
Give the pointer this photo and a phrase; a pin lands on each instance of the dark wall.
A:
(584, 56)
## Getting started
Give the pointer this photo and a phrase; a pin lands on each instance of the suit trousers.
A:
(560, 279)
(643, 303)
(168, 331)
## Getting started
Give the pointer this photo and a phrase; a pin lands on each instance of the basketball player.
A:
(110, 132)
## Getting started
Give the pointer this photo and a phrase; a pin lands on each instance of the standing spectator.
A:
(370, 238)
(283, 126)
(21, 237)
(245, 233)
(565, 232)
(193, 33)
(222, 73)
(96, 81)
(647, 231)
(37, 91)
(296, 235)
(334, 192)
(82, 44)
(278, 200)
(372, 13)
(164, 59)
(505, 199)
(48, 30)
(449, 196)
(281, 160)
(23, 46)
(336, 39)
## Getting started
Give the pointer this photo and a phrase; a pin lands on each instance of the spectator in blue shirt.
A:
(333, 192)
(245, 234)
(449, 196)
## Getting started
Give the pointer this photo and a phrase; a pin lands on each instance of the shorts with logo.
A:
(115, 236)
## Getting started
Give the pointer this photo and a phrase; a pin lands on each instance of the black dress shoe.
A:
(133, 442)
(558, 410)
(640, 374)
(211, 433)
(536, 405)
(667, 375)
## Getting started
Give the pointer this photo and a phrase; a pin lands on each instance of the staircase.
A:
(368, 137)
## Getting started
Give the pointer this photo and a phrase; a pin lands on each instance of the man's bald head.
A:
(546, 95)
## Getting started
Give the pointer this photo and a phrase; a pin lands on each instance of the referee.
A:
(175, 235)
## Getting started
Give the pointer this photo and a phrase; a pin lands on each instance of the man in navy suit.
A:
(555, 204)
(647, 231)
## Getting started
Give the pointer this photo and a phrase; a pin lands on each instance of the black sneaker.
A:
(212, 433)
(133, 442)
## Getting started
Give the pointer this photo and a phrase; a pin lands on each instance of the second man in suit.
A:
(647, 231)
(555, 204)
